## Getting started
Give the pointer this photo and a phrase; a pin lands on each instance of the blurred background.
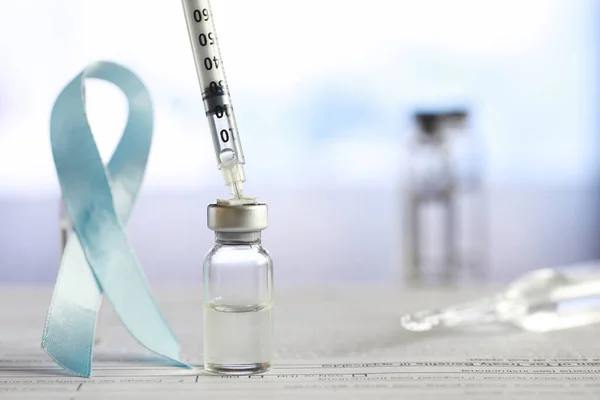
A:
(325, 93)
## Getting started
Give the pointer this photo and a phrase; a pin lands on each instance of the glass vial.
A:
(238, 292)
(443, 219)
(429, 217)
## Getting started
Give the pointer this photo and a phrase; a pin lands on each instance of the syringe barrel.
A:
(215, 91)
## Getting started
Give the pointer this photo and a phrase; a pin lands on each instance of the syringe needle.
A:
(215, 93)
(237, 189)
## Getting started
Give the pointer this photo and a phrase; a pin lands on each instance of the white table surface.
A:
(353, 326)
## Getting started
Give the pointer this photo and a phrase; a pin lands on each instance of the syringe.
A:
(215, 93)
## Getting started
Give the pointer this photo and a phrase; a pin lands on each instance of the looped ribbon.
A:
(98, 257)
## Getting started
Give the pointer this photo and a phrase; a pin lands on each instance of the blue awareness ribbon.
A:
(98, 257)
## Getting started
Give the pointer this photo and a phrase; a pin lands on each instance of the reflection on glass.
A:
(66, 227)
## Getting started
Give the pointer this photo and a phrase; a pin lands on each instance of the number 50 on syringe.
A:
(215, 93)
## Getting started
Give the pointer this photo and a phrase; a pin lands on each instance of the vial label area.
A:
(238, 339)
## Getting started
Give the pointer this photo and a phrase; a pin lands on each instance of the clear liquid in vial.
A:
(238, 340)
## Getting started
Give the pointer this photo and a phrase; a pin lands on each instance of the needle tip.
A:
(237, 190)
(418, 323)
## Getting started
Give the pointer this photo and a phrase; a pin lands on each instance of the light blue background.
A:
(323, 92)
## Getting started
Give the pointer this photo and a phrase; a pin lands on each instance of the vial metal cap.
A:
(237, 219)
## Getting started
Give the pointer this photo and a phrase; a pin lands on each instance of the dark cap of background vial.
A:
(428, 122)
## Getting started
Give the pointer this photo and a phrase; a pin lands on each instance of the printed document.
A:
(332, 343)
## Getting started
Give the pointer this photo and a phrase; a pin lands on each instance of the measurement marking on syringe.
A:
(214, 90)
(206, 39)
(219, 111)
(200, 16)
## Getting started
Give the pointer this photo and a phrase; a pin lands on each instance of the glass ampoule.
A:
(542, 300)
(238, 292)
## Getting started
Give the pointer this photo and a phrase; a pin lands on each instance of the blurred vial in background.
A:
(444, 213)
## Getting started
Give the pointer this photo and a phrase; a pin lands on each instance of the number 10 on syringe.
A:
(215, 93)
